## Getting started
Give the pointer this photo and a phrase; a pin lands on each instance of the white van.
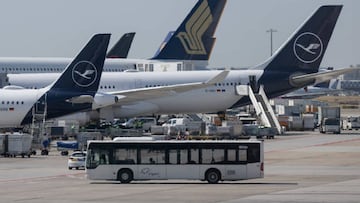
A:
(175, 125)
(177, 122)
(144, 123)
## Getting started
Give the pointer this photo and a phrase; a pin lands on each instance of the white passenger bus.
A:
(163, 159)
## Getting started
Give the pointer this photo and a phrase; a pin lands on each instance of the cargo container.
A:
(329, 120)
(308, 121)
(16, 144)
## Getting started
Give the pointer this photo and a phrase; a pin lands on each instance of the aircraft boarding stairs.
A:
(262, 106)
(38, 125)
(39, 111)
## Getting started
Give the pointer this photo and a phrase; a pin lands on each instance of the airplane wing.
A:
(140, 94)
(321, 76)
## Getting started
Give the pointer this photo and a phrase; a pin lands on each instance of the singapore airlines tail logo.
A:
(195, 28)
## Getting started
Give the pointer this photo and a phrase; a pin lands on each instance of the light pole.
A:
(271, 39)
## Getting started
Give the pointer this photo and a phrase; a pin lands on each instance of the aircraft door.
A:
(253, 83)
(40, 105)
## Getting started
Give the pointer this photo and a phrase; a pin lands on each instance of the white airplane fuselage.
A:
(15, 104)
(58, 64)
(215, 98)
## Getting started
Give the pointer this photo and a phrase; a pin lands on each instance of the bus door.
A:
(100, 160)
(152, 164)
(239, 168)
(254, 161)
(183, 164)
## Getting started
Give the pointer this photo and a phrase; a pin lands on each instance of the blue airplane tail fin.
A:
(76, 87)
(122, 47)
(84, 72)
(194, 39)
(304, 50)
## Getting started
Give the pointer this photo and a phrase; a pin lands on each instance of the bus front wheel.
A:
(213, 176)
(125, 176)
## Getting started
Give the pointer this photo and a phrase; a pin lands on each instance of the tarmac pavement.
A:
(299, 167)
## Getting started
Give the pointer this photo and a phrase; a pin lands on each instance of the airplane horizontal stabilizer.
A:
(81, 99)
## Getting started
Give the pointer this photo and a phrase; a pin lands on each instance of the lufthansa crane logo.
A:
(195, 28)
(84, 73)
(308, 47)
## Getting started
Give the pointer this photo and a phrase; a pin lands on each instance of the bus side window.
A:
(125, 156)
(193, 156)
(213, 156)
(152, 156)
(104, 159)
(253, 154)
(98, 157)
(231, 156)
(183, 156)
(242, 155)
(173, 156)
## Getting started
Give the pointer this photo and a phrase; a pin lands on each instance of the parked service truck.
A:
(351, 123)
(329, 120)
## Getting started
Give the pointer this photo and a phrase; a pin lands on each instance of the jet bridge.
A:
(262, 106)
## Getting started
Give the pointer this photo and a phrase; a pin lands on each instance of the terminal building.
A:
(351, 81)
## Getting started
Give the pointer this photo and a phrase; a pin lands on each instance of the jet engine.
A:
(102, 100)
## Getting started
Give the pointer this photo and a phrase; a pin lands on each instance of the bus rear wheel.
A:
(213, 176)
(125, 176)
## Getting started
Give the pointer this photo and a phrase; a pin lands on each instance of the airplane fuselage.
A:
(215, 98)
(14, 107)
(58, 64)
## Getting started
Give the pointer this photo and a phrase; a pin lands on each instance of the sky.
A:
(47, 28)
